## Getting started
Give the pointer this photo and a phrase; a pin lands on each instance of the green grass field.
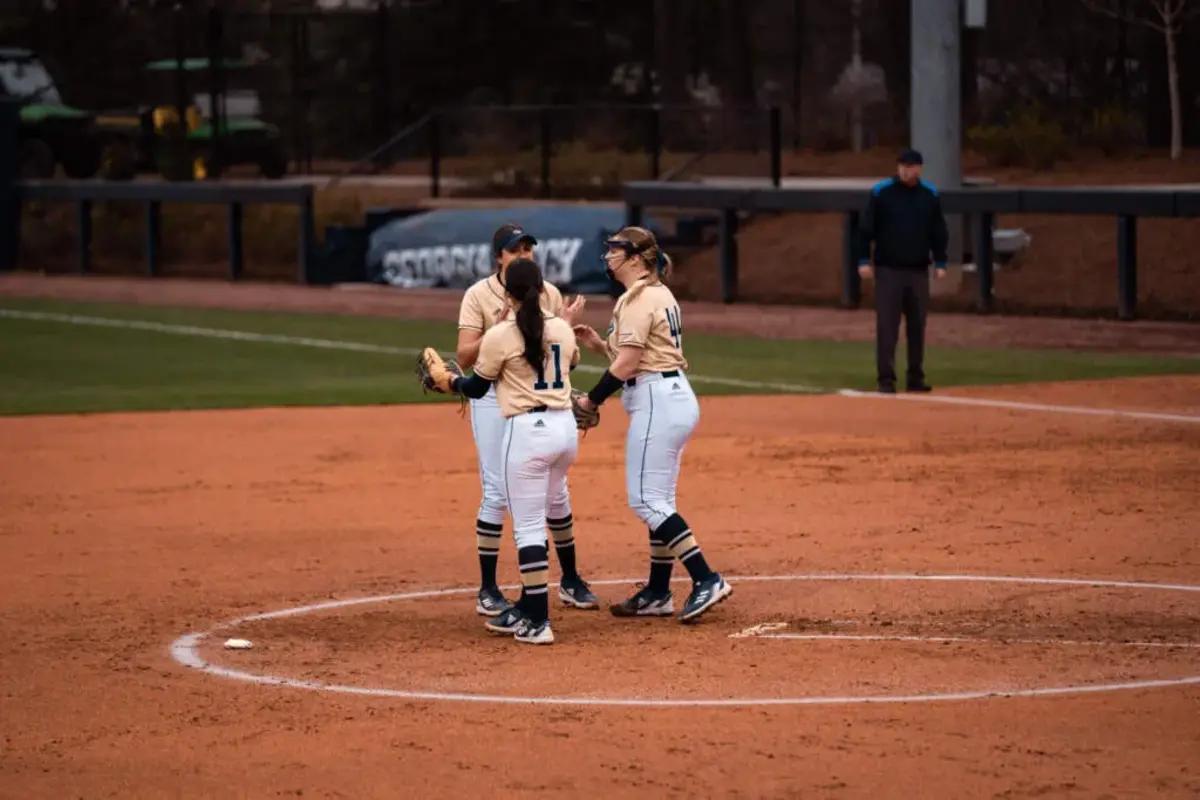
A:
(59, 366)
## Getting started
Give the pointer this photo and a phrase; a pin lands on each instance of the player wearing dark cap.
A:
(904, 221)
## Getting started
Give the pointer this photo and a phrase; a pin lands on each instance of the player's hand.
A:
(939, 274)
(865, 272)
(585, 403)
(586, 335)
(573, 309)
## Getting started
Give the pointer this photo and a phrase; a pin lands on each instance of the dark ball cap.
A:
(910, 157)
(507, 237)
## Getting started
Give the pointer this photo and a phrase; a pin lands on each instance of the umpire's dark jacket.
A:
(906, 224)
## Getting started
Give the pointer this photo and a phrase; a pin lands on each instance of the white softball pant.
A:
(538, 449)
(663, 412)
(487, 427)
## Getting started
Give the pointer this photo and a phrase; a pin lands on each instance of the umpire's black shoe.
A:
(918, 387)
(491, 602)
(887, 388)
(705, 594)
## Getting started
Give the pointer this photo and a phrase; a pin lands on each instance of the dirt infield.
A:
(122, 532)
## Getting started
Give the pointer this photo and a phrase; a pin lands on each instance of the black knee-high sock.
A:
(563, 531)
(535, 572)
(487, 537)
(677, 536)
(661, 562)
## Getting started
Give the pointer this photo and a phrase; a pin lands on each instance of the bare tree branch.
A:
(1107, 10)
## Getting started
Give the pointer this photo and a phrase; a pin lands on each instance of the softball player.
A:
(645, 350)
(485, 305)
(526, 362)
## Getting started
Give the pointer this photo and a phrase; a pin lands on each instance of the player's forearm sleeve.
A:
(473, 387)
(604, 389)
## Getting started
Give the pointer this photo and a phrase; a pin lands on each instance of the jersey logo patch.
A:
(539, 424)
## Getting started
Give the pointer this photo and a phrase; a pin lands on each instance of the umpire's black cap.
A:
(509, 236)
(910, 157)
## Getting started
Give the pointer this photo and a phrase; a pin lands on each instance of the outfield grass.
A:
(55, 367)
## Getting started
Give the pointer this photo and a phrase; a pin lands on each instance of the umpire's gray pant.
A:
(900, 291)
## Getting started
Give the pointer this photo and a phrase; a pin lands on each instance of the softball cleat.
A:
(491, 602)
(705, 594)
(576, 593)
(506, 622)
(646, 603)
(530, 632)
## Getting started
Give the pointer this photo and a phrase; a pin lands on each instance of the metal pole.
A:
(633, 215)
(85, 235)
(936, 116)
(305, 254)
(727, 232)
(235, 241)
(775, 124)
(1126, 266)
(851, 283)
(153, 236)
(544, 128)
(983, 259)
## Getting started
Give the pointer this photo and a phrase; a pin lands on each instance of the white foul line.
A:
(1019, 406)
(185, 651)
(872, 637)
(334, 344)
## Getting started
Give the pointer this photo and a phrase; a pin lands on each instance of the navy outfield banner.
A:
(452, 247)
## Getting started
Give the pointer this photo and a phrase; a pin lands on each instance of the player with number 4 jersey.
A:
(645, 352)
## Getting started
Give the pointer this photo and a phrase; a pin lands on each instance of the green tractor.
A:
(182, 147)
(51, 133)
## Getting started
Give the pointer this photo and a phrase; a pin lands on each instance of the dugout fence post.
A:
(305, 254)
(983, 259)
(729, 257)
(153, 236)
(235, 241)
(84, 216)
(633, 215)
(851, 283)
(1126, 266)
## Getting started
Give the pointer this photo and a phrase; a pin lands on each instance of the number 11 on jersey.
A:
(556, 354)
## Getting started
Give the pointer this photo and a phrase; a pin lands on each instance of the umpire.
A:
(904, 220)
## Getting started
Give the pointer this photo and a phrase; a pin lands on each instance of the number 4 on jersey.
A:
(556, 353)
(675, 323)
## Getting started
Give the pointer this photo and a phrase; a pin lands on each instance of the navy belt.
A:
(673, 373)
(537, 409)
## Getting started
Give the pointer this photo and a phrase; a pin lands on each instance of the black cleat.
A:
(507, 622)
(646, 603)
(575, 592)
(705, 594)
(491, 602)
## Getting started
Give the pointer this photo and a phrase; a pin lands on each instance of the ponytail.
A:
(532, 327)
(523, 283)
